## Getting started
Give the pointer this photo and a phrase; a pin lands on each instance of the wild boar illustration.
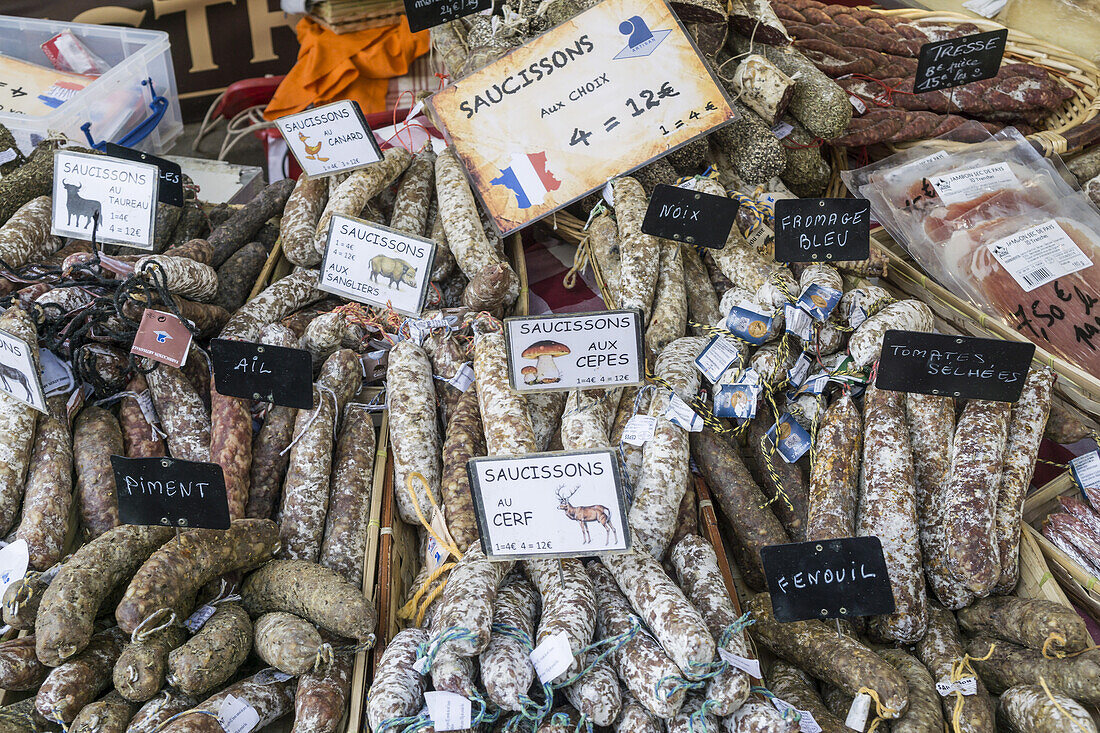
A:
(398, 271)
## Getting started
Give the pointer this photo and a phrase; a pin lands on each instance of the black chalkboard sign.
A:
(171, 174)
(958, 61)
(424, 14)
(170, 492)
(822, 230)
(260, 372)
(953, 366)
(701, 219)
(841, 578)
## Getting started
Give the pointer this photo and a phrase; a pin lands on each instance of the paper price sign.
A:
(19, 378)
(553, 352)
(564, 504)
(120, 195)
(373, 264)
(597, 96)
(330, 139)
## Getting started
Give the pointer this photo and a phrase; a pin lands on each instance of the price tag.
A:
(373, 264)
(806, 724)
(463, 378)
(1086, 470)
(789, 438)
(717, 357)
(841, 578)
(639, 429)
(599, 95)
(420, 665)
(858, 104)
(747, 322)
(857, 714)
(199, 618)
(797, 321)
(19, 379)
(683, 215)
(330, 139)
(680, 413)
(56, 375)
(237, 716)
(270, 676)
(448, 711)
(170, 190)
(119, 194)
(565, 504)
(750, 667)
(424, 14)
(808, 230)
(958, 366)
(798, 371)
(1039, 255)
(961, 186)
(261, 372)
(782, 129)
(162, 337)
(957, 61)
(737, 400)
(819, 302)
(552, 657)
(14, 559)
(759, 237)
(585, 350)
(966, 685)
(171, 492)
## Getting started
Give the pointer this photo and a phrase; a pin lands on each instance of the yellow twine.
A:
(415, 606)
(1061, 709)
(881, 712)
(957, 673)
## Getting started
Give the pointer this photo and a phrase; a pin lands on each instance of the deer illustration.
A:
(586, 514)
(78, 206)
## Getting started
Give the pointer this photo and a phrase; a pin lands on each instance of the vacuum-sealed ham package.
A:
(997, 224)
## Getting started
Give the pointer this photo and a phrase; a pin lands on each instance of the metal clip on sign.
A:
(159, 105)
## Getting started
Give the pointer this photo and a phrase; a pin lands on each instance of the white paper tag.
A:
(463, 378)
(448, 711)
(914, 166)
(436, 554)
(6, 156)
(145, 402)
(798, 321)
(798, 372)
(807, 724)
(759, 236)
(1039, 255)
(50, 573)
(782, 129)
(716, 357)
(639, 429)
(966, 685)
(857, 103)
(608, 194)
(13, 563)
(57, 375)
(420, 664)
(115, 197)
(746, 665)
(1086, 470)
(856, 316)
(680, 413)
(552, 657)
(199, 618)
(985, 8)
(237, 716)
(857, 714)
(270, 676)
(955, 188)
(330, 139)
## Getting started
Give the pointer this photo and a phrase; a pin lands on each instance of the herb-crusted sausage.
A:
(286, 642)
(159, 709)
(140, 670)
(313, 592)
(1030, 709)
(940, 651)
(1010, 664)
(1030, 622)
(925, 714)
(212, 655)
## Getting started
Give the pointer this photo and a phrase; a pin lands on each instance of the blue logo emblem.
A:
(640, 40)
(162, 336)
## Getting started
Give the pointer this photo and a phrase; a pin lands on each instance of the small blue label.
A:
(818, 301)
(749, 325)
(793, 440)
(737, 400)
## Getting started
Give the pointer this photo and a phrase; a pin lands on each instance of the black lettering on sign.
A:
(170, 492)
(822, 230)
(841, 578)
(689, 216)
(953, 366)
(425, 14)
(171, 174)
(260, 372)
(958, 61)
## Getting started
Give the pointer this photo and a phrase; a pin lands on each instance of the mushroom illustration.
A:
(546, 371)
(529, 373)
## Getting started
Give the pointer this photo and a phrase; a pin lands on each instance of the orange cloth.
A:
(356, 66)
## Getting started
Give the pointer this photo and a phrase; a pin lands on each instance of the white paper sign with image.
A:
(121, 194)
(19, 378)
(562, 504)
(551, 352)
(374, 264)
(330, 139)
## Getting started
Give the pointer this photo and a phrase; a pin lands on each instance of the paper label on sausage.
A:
(6, 156)
(680, 413)
(1086, 470)
(956, 188)
(14, 559)
(966, 685)
(782, 129)
(737, 400)
(746, 321)
(806, 724)
(237, 716)
(639, 429)
(448, 711)
(819, 301)
(857, 714)
(798, 321)
(790, 439)
(857, 103)
(552, 657)
(420, 665)
(1039, 255)
(750, 667)
(199, 618)
(463, 378)
(799, 370)
(57, 375)
(270, 676)
(716, 357)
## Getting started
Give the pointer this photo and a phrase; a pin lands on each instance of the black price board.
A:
(424, 14)
(689, 216)
(822, 230)
(260, 372)
(841, 578)
(171, 175)
(958, 61)
(170, 492)
(954, 366)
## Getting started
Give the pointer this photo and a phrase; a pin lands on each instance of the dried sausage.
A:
(159, 709)
(545, 409)
(506, 670)
(19, 665)
(140, 670)
(1030, 709)
(246, 221)
(231, 445)
(185, 419)
(237, 276)
(414, 430)
(25, 237)
(278, 300)
(465, 440)
(941, 652)
(639, 253)
(180, 276)
(834, 476)
(286, 642)
(397, 690)
(17, 423)
(504, 415)
(568, 604)
(669, 318)
(360, 187)
(298, 225)
(110, 714)
(758, 716)
(925, 714)
(865, 344)
(1030, 622)
(212, 655)
(345, 543)
(792, 508)
(794, 687)
(468, 604)
(597, 694)
(48, 493)
(77, 681)
(414, 195)
(269, 454)
(139, 438)
(321, 697)
(272, 700)
(1010, 664)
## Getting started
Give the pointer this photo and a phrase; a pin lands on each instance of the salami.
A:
(639, 253)
(414, 431)
(298, 226)
(465, 440)
(287, 643)
(834, 477)
(865, 344)
(360, 187)
(468, 605)
(25, 237)
(568, 604)
(941, 653)
(506, 670)
(212, 655)
(19, 666)
(269, 454)
(237, 275)
(414, 195)
(345, 542)
(669, 318)
(1031, 709)
(185, 419)
(48, 492)
(17, 423)
(1002, 664)
(397, 690)
(158, 710)
(925, 714)
(293, 292)
(597, 694)
(504, 415)
(77, 681)
(321, 697)
(1030, 622)
(110, 714)
(139, 438)
(272, 700)
(794, 687)
(141, 668)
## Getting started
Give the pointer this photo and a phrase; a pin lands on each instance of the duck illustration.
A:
(311, 150)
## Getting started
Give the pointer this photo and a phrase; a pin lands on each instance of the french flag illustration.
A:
(528, 179)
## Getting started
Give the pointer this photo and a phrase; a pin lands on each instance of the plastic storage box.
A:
(135, 103)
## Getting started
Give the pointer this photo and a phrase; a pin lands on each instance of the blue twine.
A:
(789, 714)
(429, 649)
(700, 716)
(736, 627)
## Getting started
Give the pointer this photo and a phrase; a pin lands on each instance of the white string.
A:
(321, 390)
